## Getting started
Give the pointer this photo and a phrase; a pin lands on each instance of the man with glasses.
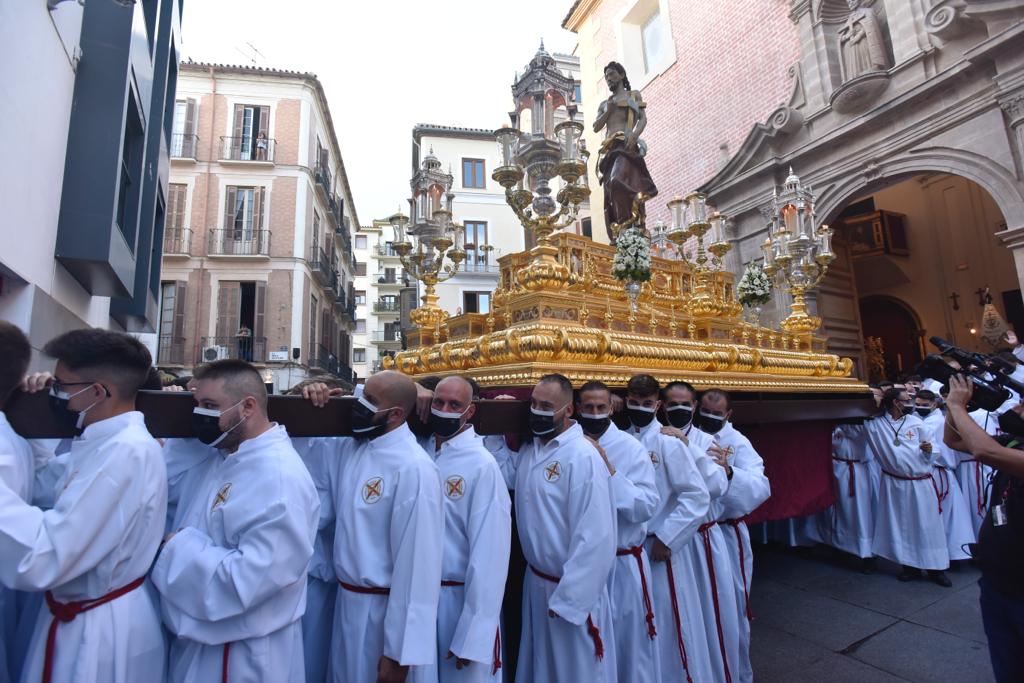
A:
(92, 550)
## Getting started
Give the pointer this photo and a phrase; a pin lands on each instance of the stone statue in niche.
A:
(861, 44)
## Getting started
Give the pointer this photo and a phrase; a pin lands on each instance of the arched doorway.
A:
(923, 248)
(899, 329)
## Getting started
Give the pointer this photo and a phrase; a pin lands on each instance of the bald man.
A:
(232, 574)
(383, 494)
(477, 537)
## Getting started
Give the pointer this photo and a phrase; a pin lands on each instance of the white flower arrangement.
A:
(632, 256)
(755, 287)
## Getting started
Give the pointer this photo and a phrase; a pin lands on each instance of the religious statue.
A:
(620, 166)
(861, 44)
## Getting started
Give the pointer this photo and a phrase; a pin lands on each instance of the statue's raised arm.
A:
(620, 165)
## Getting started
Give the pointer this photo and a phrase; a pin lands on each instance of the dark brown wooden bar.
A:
(168, 414)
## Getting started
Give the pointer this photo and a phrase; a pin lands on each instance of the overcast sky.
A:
(385, 66)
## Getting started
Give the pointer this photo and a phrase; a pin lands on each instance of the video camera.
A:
(989, 374)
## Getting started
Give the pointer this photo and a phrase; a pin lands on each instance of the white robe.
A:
(747, 489)
(100, 536)
(849, 524)
(908, 524)
(17, 472)
(477, 541)
(321, 583)
(384, 497)
(186, 460)
(636, 498)
(956, 516)
(233, 577)
(974, 476)
(567, 527)
(683, 506)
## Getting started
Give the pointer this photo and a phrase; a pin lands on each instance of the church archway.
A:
(930, 240)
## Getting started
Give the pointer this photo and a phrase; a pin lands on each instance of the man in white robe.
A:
(706, 557)
(908, 521)
(567, 526)
(974, 475)
(232, 573)
(748, 488)
(92, 550)
(383, 493)
(956, 516)
(636, 498)
(851, 520)
(683, 647)
(17, 465)
(477, 538)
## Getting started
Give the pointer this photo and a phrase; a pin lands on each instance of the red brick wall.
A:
(730, 73)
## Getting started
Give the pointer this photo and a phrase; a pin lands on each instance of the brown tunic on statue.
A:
(623, 172)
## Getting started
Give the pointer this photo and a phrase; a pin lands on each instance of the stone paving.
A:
(817, 618)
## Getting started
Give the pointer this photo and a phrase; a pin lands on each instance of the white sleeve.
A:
(748, 487)
(691, 500)
(417, 524)
(489, 528)
(633, 487)
(507, 459)
(591, 545)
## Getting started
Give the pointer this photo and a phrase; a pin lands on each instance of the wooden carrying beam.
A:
(168, 414)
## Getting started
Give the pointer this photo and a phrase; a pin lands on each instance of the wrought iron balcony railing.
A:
(247, 348)
(239, 243)
(386, 306)
(170, 350)
(184, 145)
(247, 148)
(177, 241)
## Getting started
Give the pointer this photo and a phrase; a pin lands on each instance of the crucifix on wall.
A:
(956, 301)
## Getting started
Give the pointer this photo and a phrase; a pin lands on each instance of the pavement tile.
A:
(880, 592)
(835, 668)
(925, 655)
(819, 619)
(957, 614)
(776, 655)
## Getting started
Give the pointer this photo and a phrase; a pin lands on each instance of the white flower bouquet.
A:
(632, 256)
(755, 287)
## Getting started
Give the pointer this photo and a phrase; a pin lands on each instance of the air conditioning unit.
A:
(212, 353)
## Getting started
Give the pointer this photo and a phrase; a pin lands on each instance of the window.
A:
(360, 268)
(587, 229)
(473, 173)
(652, 35)
(577, 92)
(360, 297)
(360, 241)
(476, 302)
(129, 187)
(177, 193)
(251, 131)
(389, 276)
(171, 344)
(476, 246)
(316, 232)
(168, 290)
(358, 355)
(361, 326)
(183, 134)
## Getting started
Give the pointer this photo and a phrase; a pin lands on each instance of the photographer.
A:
(1000, 547)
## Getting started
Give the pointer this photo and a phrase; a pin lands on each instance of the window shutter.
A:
(260, 308)
(230, 198)
(180, 196)
(229, 298)
(178, 329)
(239, 118)
(190, 116)
(258, 197)
(264, 121)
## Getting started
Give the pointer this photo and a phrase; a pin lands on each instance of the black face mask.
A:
(1012, 423)
(445, 424)
(710, 423)
(640, 417)
(363, 420)
(206, 425)
(595, 425)
(542, 422)
(679, 416)
(72, 419)
(906, 409)
(924, 412)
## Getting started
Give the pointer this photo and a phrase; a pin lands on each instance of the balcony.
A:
(324, 181)
(387, 337)
(170, 351)
(251, 349)
(480, 268)
(321, 266)
(385, 251)
(385, 279)
(239, 243)
(385, 306)
(247, 150)
(337, 210)
(184, 146)
(324, 360)
(177, 242)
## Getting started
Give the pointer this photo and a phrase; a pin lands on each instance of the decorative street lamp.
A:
(435, 238)
(797, 250)
(531, 160)
(692, 218)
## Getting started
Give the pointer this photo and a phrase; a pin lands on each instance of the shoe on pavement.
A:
(939, 577)
(909, 574)
(867, 565)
